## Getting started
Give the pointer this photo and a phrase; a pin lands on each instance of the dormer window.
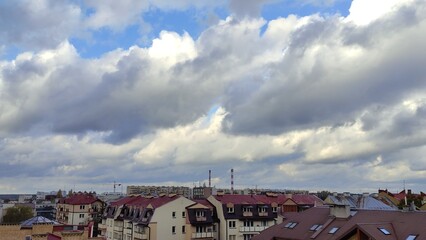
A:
(247, 209)
(199, 213)
(230, 209)
(263, 209)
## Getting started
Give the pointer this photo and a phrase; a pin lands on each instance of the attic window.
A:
(333, 230)
(411, 237)
(384, 231)
(290, 225)
(316, 227)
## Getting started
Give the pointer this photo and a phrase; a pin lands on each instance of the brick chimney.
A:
(340, 211)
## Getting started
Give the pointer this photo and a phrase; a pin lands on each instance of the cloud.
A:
(37, 24)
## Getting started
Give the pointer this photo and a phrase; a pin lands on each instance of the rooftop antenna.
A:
(232, 181)
(210, 178)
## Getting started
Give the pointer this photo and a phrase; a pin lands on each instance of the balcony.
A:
(202, 235)
(247, 214)
(201, 219)
(253, 229)
(263, 214)
(118, 228)
(140, 235)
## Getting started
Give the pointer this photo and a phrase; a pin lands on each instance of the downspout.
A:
(226, 227)
(149, 232)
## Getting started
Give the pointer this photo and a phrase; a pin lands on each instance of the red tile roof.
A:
(79, 199)
(140, 201)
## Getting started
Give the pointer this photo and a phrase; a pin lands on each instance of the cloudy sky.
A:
(291, 94)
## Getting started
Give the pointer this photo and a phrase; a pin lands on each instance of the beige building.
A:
(158, 190)
(78, 209)
(167, 217)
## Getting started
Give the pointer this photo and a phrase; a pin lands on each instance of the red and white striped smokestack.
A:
(232, 181)
(210, 178)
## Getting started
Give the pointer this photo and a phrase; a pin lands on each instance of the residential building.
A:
(202, 192)
(338, 222)
(154, 218)
(79, 209)
(158, 190)
(357, 201)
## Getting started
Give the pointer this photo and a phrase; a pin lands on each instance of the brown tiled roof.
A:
(79, 199)
(399, 224)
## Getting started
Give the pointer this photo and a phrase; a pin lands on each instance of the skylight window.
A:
(384, 231)
(290, 225)
(333, 230)
(316, 227)
(411, 237)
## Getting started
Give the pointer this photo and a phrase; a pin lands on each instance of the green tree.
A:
(17, 214)
(59, 194)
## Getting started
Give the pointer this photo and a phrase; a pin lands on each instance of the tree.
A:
(17, 214)
(59, 194)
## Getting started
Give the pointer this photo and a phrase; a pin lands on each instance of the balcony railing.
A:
(263, 214)
(253, 229)
(118, 228)
(202, 235)
(201, 219)
(247, 214)
(140, 235)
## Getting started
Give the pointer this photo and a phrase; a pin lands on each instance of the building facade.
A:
(79, 209)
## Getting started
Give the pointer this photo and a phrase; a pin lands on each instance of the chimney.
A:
(210, 178)
(340, 211)
(409, 191)
(232, 181)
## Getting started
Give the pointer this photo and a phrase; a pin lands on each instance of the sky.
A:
(291, 94)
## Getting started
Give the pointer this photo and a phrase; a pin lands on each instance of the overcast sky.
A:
(307, 94)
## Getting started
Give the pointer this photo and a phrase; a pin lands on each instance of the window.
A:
(384, 231)
(27, 237)
(231, 224)
(291, 225)
(264, 223)
(173, 229)
(247, 209)
(183, 229)
(173, 214)
(411, 237)
(82, 206)
(230, 210)
(315, 227)
(232, 237)
(199, 213)
(274, 209)
(248, 223)
(184, 214)
(82, 215)
(333, 230)
(263, 209)
(248, 236)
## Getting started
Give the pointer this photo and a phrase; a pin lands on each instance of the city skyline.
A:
(312, 95)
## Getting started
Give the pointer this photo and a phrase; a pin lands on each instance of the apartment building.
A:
(159, 190)
(78, 209)
(154, 218)
(338, 222)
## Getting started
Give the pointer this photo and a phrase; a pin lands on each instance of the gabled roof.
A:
(398, 224)
(79, 199)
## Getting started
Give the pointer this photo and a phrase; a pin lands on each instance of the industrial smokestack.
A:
(210, 178)
(232, 181)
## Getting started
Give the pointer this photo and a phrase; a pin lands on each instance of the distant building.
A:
(202, 192)
(338, 222)
(157, 190)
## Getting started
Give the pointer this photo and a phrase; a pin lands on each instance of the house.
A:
(153, 218)
(338, 222)
(79, 209)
